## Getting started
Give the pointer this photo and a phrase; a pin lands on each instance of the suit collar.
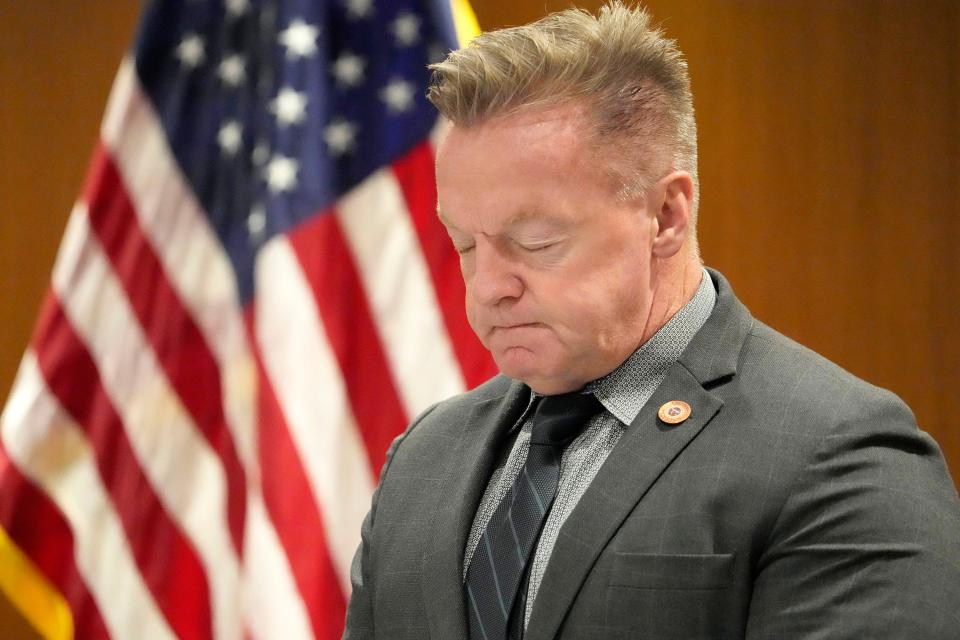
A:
(713, 352)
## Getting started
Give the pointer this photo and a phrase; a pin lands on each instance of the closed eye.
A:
(534, 247)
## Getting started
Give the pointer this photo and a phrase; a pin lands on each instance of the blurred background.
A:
(829, 167)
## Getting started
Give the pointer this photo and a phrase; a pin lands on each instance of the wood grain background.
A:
(830, 163)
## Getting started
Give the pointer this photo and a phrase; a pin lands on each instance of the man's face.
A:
(556, 267)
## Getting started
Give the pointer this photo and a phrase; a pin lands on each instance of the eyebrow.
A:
(516, 218)
(527, 214)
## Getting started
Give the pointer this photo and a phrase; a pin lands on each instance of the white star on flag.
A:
(289, 106)
(398, 95)
(232, 70)
(406, 29)
(237, 7)
(191, 51)
(300, 39)
(282, 174)
(257, 221)
(359, 8)
(348, 69)
(340, 136)
(230, 136)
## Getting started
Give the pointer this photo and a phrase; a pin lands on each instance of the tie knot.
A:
(559, 419)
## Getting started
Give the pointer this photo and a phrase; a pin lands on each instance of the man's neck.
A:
(675, 286)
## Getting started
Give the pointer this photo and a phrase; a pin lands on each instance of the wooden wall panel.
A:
(830, 162)
(57, 62)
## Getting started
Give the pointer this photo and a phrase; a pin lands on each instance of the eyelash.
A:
(527, 248)
(535, 248)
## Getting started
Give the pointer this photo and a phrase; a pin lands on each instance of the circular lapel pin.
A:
(674, 412)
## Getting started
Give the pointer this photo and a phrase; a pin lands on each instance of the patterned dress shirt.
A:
(622, 392)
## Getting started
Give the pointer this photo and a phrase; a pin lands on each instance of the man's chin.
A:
(522, 364)
(516, 365)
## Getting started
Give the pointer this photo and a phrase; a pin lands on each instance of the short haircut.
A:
(632, 80)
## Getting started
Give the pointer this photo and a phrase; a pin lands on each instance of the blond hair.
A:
(632, 80)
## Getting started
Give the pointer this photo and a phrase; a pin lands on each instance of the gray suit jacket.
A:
(797, 501)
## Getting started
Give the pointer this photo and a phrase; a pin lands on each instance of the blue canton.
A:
(276, 108)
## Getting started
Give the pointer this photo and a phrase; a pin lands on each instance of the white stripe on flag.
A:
(377, 226)
(306, 377)
(271, 603)
(185, 473)
(195, 262)
(50, 449)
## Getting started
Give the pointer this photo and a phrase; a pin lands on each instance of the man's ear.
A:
(676, 209)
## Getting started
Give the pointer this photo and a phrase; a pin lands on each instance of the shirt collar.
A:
(625, 390)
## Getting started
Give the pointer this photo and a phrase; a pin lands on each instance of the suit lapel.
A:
(464, 481)
(644, 452)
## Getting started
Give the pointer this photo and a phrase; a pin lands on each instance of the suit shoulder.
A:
(454, 409)
(821, 393)
(493, 389)
(437, 430)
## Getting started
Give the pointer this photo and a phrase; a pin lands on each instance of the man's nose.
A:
(495, 275)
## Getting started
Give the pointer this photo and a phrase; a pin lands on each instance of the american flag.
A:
(253, 296)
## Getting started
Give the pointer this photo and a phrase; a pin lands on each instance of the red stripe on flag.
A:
(348, 322)
(168, 564)
(414, 172)
(294, 512)
(41, 532)
(180, 347)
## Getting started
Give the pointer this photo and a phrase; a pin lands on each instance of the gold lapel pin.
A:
(674, 412)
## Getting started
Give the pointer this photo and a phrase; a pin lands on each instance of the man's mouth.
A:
(517, 325)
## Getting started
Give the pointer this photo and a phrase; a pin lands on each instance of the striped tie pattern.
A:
(506, 546)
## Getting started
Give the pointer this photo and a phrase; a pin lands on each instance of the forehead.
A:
(530, 165)
(557, 132)
(539, 160)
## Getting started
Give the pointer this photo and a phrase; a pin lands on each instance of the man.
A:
(718, 480)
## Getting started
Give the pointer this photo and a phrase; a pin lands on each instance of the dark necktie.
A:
(507, 544)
